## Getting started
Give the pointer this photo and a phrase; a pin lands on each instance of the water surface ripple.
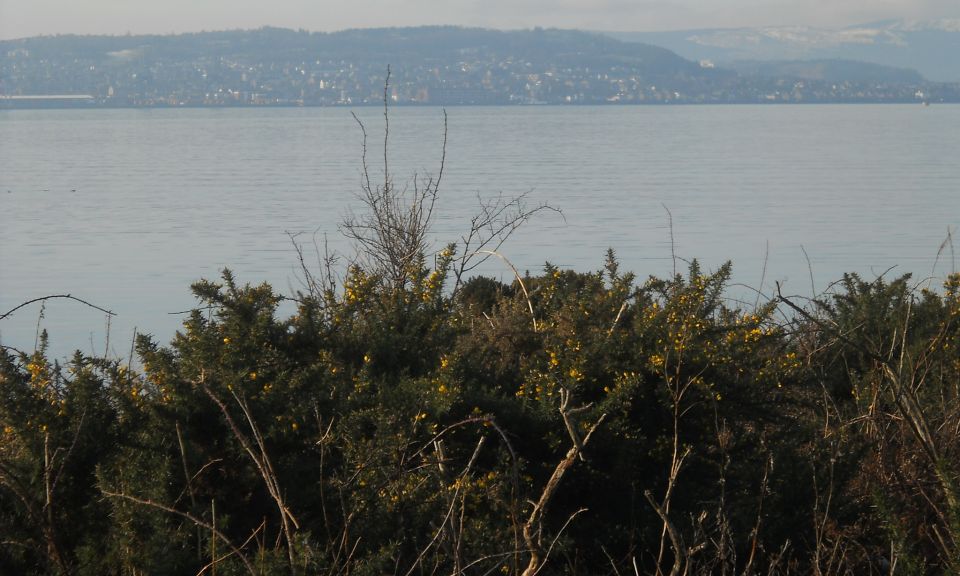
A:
(126, 208)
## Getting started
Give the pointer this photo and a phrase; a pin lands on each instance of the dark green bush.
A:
(409, 428)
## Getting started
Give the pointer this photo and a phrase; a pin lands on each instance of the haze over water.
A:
(125, 208)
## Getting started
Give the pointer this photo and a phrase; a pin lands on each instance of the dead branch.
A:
(676, 540)
(213, 530)
(55, 296)
(523, 287)
(392, 234)
(262, 462)
(496, 221)
(532, 528)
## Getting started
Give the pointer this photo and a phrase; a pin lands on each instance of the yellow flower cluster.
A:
(431, 284)
(753, 335)
(539, 385)
(38, 374)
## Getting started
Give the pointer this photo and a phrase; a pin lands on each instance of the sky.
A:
(22, 18)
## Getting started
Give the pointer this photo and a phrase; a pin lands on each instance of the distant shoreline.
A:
(35, 103)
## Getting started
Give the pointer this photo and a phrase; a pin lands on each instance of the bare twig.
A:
(763, 275)
(673, 250)
(497, 220)
(52, 297)
(676, 540)
(392, 236)
(261, 461)
(532, 528)
(519, 278)
(213, 530)
(813, 286)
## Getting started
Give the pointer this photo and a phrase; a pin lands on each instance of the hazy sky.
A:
(20, 18)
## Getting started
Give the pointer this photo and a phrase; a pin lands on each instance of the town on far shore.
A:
(428, 65)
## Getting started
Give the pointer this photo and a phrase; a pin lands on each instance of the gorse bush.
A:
(411, 429)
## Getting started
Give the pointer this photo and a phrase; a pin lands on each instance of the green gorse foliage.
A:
(406, 429)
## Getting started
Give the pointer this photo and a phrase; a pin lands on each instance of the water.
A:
(125, 208)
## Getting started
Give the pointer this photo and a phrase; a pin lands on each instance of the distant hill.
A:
(826, 70)
(429, 65)
(929, 47)
(270, 65)
(400, 46)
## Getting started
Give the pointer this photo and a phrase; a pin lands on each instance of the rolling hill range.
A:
(929, 47)
(429, 65)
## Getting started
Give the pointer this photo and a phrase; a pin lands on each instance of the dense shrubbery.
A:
(400, 428)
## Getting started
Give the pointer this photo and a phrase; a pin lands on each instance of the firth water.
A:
(125, 208)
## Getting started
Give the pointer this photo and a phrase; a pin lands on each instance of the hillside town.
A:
(273, 67)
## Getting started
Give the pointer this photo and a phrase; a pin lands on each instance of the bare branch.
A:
(261, 461)
(497, 220)
(676, 540)
(523, 287)
(54, 296)
(391, 235)
(532, 527)
(220, 535)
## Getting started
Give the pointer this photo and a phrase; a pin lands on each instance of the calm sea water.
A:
(125, 208)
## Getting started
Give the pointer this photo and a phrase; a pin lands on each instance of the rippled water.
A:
(125, 208)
